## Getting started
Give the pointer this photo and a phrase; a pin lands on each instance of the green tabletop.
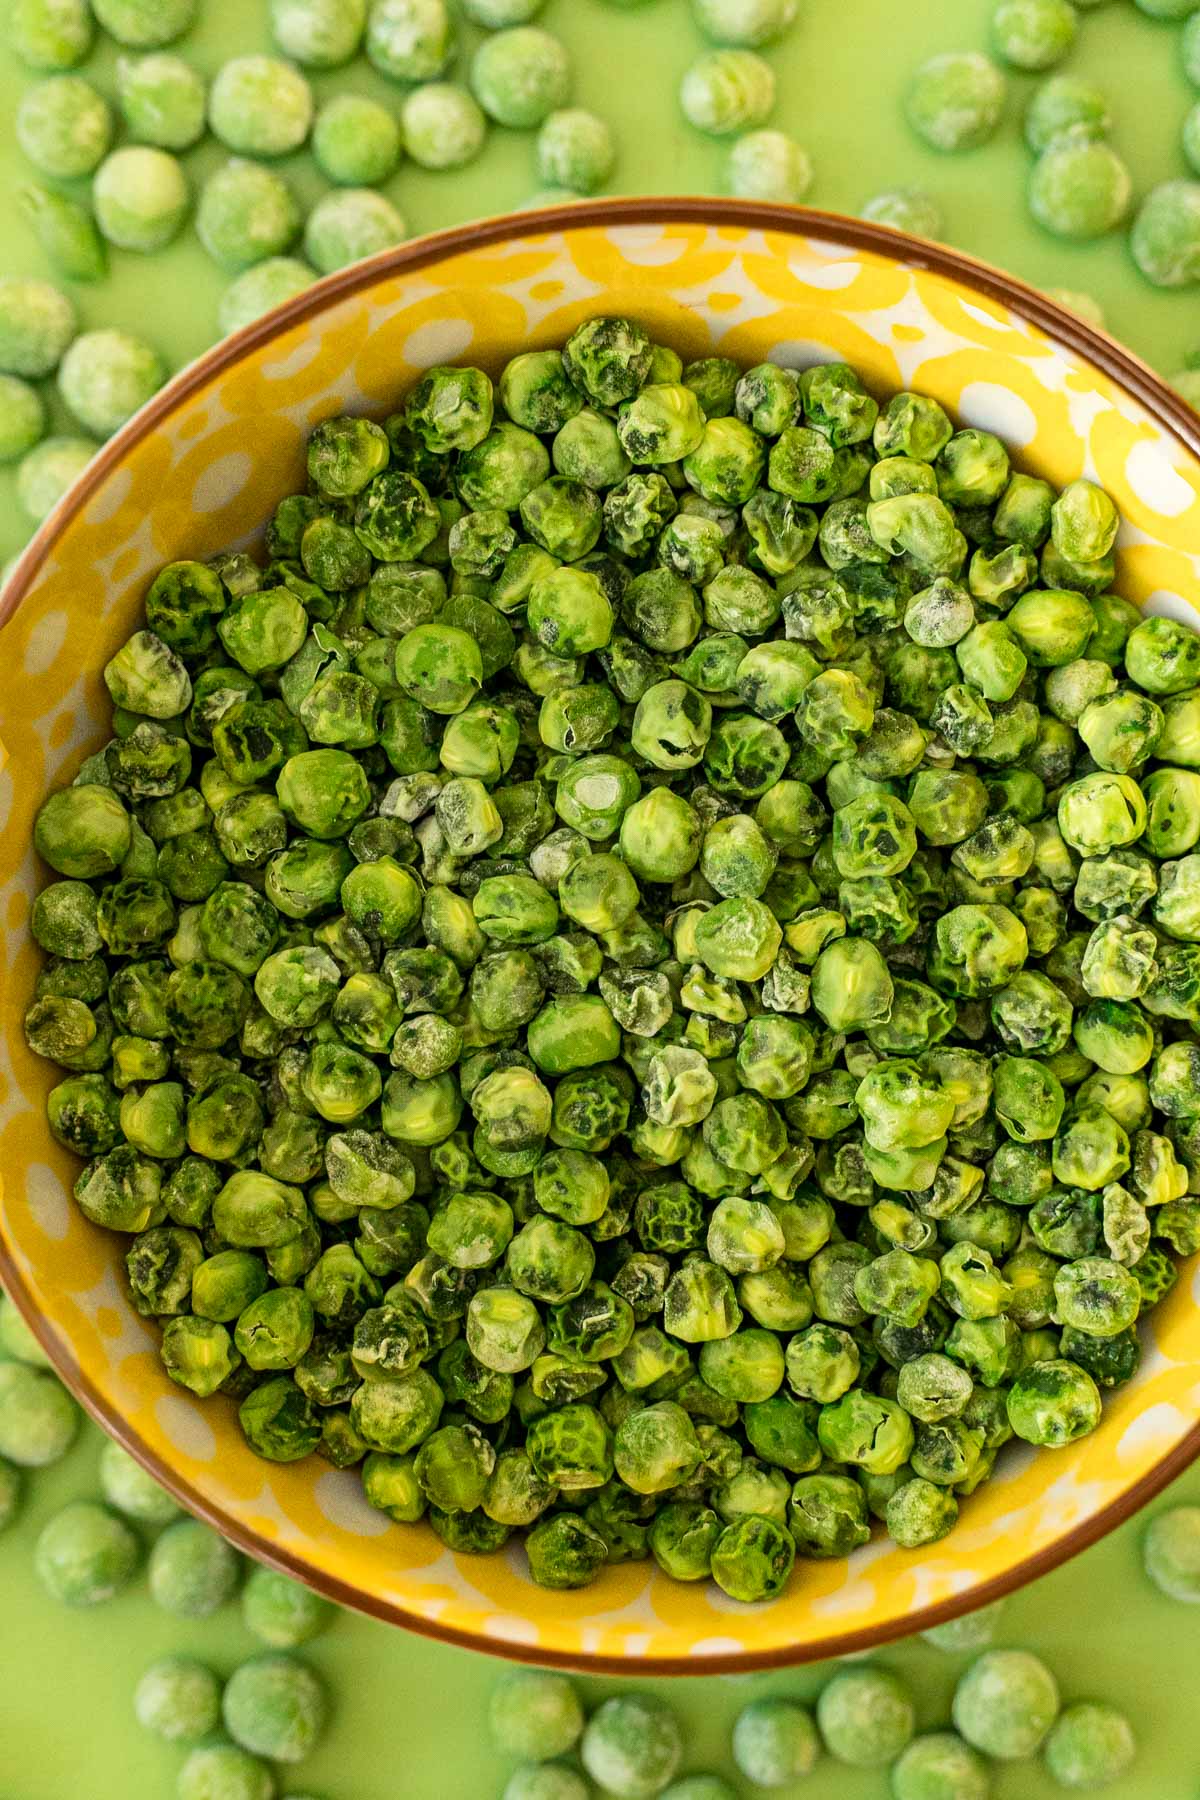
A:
(409, 1723)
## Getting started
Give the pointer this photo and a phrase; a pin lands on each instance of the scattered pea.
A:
(535, 1716)
(632, 1746)
(970, 1631)
(131, 1490)
(51, 34)
(521, 76)
(22, 425)
(348, 224)
(940, 1767)
(224, 1772)
(908, 209)
(66, 232)
(575, 150)
(275, 1706)
(178, 1699)
(163, 100)
(545, 1781)
(356, 141)
(260, 106)
(1006, 1703)
(145, 24)
(64, 126)
(256, 291)
(193, 1572)
(141, 198)
(39, 1420)
(49, 470)
(747, 23)
(282, 1612)
(16, 1337)
(1165, 239)
(1171, 1553)
(775, 1742)
(106, 376)
(1033, 34)
(443, 125)
(246, 213)
(956, 100)
(865, 1717)
(85, 1555)
(318, 34)
(769, 165)
(410, 40)
(1090, 1746)
(1080, 188)
(727, 91)
(37, 322)
(1085, 306)
(1065, 106)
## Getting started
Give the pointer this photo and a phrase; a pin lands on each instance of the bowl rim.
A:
(1112, 358)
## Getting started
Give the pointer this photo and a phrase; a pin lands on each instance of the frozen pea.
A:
(632, 1746)
(349, 224)
(224, 1772)
(282, 1612)
(1065, 104)
(22, 423)
(64, 126)
(162, 100)
(245, 213)
(178, 1699)
(865, 1716)
(535, 1716)
(1033, 34)
(546, 1781)
(1171, 1553)
(727, 91)
(192, 1571)
(318, 34)
(940, 1767)
(555, 196)
(1006, 1703)
(355, 141)
(972, 1631)
(49, 470)
(260, 105)
(132, 1490)
(775, 1742)
(16, 1337)
(410, 40)
(907, 209)
(955, 100)
(1084, 306)
(1166, 9)
(574, 150)
(443, 125)
(85, 1555)
(1165, 238)
(1090, 1746)
(520, 77)
(267, 285)
(1079, 188)
(10, 1493)
(106, 376)
(748, 23)
(38, 1418)
(769, 165)
(145, 24)
(141, 198)
(50, 34)
(275, 1706)
(66, 231)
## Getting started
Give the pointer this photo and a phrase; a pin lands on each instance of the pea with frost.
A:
(348, 224)
(956, 99)
(141, 198)
(443, 125)
(318, 34)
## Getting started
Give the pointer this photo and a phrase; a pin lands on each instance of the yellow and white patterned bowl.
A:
(197, 471)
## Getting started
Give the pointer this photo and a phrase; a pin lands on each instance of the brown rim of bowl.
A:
(1119, 364)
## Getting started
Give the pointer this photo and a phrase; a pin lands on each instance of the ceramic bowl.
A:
(197, 471)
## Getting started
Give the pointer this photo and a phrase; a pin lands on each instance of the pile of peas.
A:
(652, 1004)
(1006, 1709)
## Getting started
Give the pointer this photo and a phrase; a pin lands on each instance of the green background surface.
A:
(409, 1723)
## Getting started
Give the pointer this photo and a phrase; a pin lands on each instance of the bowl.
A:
(199, 469)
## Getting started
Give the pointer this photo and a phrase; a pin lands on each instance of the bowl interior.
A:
(199, 472)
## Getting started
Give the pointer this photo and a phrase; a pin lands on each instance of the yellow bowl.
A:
(200, 469)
